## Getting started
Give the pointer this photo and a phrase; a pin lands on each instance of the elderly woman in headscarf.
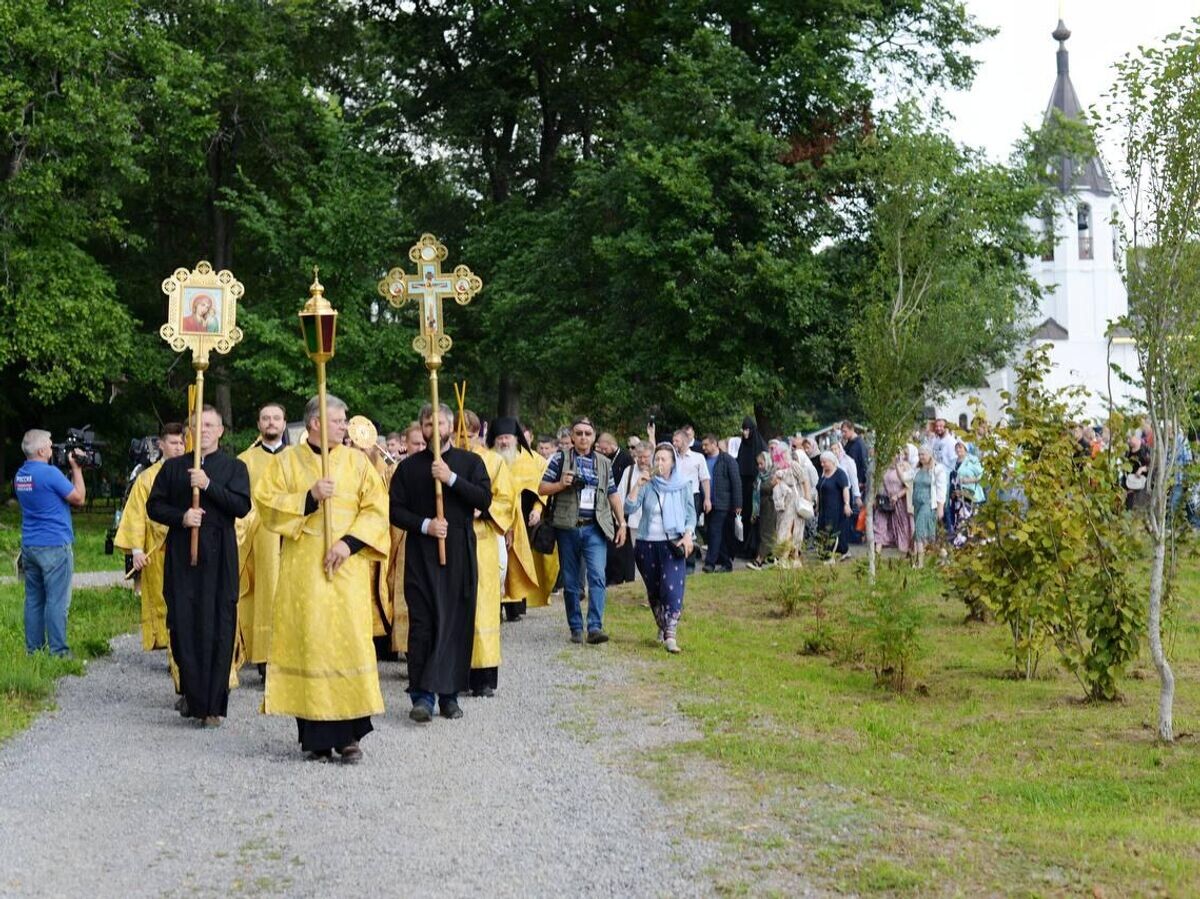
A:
(892, 522)
(926, 501)
(664, 538)
(833, 505)
(751, 447)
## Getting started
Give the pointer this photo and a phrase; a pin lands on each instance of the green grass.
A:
(27, 682)
(90, 528)
(974, 784)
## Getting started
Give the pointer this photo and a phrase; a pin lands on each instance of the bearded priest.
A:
(521, 584)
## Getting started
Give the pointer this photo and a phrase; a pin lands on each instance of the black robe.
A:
(202, 600)
(441, 599)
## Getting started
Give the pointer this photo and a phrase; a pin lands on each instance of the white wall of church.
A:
(1083, 296)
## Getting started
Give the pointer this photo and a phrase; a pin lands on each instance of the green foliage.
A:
(806, 591)
(889, 621)
(27, 681)
(659, 174)
(944, 235)
(985, 787)
(69, 116)
(1054, 547)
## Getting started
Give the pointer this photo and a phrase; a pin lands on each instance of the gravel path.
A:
(83, 579)
(530, 794)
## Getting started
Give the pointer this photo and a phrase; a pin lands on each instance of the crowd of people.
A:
(314, 574)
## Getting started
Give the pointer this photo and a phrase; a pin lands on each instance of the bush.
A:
(1054, 542)
(890, 628)
(808, 590)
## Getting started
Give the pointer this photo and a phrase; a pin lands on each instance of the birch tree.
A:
(1153, 113)
(947, 292)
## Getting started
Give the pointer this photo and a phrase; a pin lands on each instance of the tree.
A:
(651, 166)
(947, 291)
(1056, 550)
(1153, 110)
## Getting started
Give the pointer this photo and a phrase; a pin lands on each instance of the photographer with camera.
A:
(47, 540)
(663, 495)
(587, 510)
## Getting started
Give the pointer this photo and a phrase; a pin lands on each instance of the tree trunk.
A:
(1166, 693)
(509, 397)
(763, 422)
(869, 503)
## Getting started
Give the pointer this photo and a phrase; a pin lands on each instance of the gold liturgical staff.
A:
(201, 317)
(318, 326)
(428, 287)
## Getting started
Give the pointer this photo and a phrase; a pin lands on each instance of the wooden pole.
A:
(437, 451)
(326, 507)
(197, 456)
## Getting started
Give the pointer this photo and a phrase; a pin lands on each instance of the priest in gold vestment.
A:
(524, 574)
(490, 529)
(146, 541)
(321, 668)
(258, 547)
(414, 442)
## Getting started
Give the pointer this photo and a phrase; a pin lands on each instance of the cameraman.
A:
(47, 541)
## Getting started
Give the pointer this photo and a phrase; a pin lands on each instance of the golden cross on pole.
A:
(428, 287)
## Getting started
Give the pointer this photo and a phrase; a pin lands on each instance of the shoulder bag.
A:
(542, 537)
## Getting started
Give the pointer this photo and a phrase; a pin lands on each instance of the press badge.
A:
(587, 499)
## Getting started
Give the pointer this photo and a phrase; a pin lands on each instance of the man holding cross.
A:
(441, 598)
(202, 598)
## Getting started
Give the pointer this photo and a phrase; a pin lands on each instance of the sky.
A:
(1017, 71)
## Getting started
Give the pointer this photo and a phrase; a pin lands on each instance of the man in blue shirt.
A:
(47, 541)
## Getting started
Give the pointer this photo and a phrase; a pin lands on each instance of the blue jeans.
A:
(583, 547)
(48, 571)
(426, 698)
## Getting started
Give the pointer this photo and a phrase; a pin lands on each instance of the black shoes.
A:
(351, 755)
(597, 637)
(576, 636)
(421, 713)
(321, 755)
(484, 692)
(451, 710)
(707, 569)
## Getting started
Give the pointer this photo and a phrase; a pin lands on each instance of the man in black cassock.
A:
(202, 599)
(441, 598)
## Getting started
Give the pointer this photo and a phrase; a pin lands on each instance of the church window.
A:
(1084, 217)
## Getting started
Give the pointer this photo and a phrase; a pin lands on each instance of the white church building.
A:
(1083, 291)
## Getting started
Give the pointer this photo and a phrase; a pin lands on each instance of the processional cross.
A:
(428, 288)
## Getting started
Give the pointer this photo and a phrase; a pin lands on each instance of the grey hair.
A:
(564, 432)
(830, 456)
(33, 441)
(312, 409)
(426, 413)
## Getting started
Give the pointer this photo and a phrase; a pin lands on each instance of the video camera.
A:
(81, 442)
(143, 452)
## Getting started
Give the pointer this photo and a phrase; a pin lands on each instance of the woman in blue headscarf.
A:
(664, 538)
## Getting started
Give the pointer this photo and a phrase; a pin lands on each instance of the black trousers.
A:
(484, 677)
(321, 736)
(720, 538)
